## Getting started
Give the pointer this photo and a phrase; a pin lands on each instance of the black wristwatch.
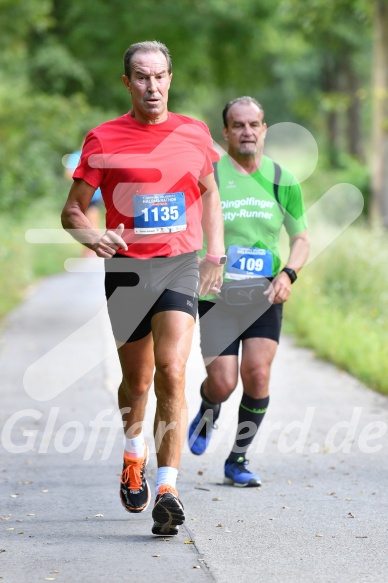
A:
(291, 274)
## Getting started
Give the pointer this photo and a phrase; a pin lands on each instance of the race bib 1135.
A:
(159, 213)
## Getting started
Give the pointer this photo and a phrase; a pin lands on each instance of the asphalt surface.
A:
(322, 453)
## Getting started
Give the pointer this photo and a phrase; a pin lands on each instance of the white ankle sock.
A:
(166, 475)
(135, 446)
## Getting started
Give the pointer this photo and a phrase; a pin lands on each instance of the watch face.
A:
(223, 260)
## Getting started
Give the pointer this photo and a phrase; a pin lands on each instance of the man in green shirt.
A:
(258, 197)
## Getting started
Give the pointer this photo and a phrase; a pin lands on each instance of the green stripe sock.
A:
(250, 415)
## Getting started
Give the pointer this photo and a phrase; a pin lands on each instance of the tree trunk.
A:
(330, 85)
(378, 210)
(353, 129)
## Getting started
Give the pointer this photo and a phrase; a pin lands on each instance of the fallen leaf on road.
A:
(218, 525)
(319, 535)
(98, 515)
(14, 495)
(200, 473)
(156, 555)
(216, 499)
(45, 490)
(196, 567)
(351, 515)
(10, 528)
(189, 542)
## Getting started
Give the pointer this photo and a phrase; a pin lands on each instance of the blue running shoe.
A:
(200, 431)
(236, 474)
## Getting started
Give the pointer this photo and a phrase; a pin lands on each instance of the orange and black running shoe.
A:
(168, 511)
(134, 490)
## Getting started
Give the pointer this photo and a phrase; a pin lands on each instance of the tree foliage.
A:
(307, 61)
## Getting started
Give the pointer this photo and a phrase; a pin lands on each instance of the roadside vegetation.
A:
(316, 63)
(23, 264)
(339, 305)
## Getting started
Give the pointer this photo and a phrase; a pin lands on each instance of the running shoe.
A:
(201, 429)
(236, 474)
(135, 493)
(168, 511)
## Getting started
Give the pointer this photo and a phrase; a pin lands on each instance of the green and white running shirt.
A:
(253, 218)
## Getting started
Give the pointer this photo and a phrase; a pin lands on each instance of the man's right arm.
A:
(74, 220)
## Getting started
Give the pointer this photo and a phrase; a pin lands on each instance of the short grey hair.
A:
(147, 46)
(244, 99)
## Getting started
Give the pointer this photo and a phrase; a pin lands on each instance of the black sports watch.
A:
(291, 274)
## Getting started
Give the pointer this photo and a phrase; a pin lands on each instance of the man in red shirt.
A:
(155, 172)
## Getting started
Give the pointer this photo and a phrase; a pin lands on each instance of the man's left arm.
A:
(280, 290)
(213, 227)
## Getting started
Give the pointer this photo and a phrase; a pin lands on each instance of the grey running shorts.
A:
(136, 289)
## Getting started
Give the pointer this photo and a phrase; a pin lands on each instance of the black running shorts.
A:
(223, 327)
(136, 289)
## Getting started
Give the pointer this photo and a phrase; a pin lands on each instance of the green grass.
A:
(23, 263)
(339, 306)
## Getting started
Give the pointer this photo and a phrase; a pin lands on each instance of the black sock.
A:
(250, 415)
(210, 410)
(207, 404)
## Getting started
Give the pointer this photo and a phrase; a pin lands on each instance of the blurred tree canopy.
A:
(306, 61)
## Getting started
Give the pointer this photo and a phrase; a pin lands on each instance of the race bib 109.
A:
(248, 262)
(159, 213)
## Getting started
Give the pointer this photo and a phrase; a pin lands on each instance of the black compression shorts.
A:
(223, 327)
(136, 289)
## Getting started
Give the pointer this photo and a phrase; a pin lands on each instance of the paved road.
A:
(320, 515)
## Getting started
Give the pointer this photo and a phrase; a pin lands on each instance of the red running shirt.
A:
(138, 167)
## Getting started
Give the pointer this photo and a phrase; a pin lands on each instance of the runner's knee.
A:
(255, 378)
(170, 376)
(135, 387)
(220, 388)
